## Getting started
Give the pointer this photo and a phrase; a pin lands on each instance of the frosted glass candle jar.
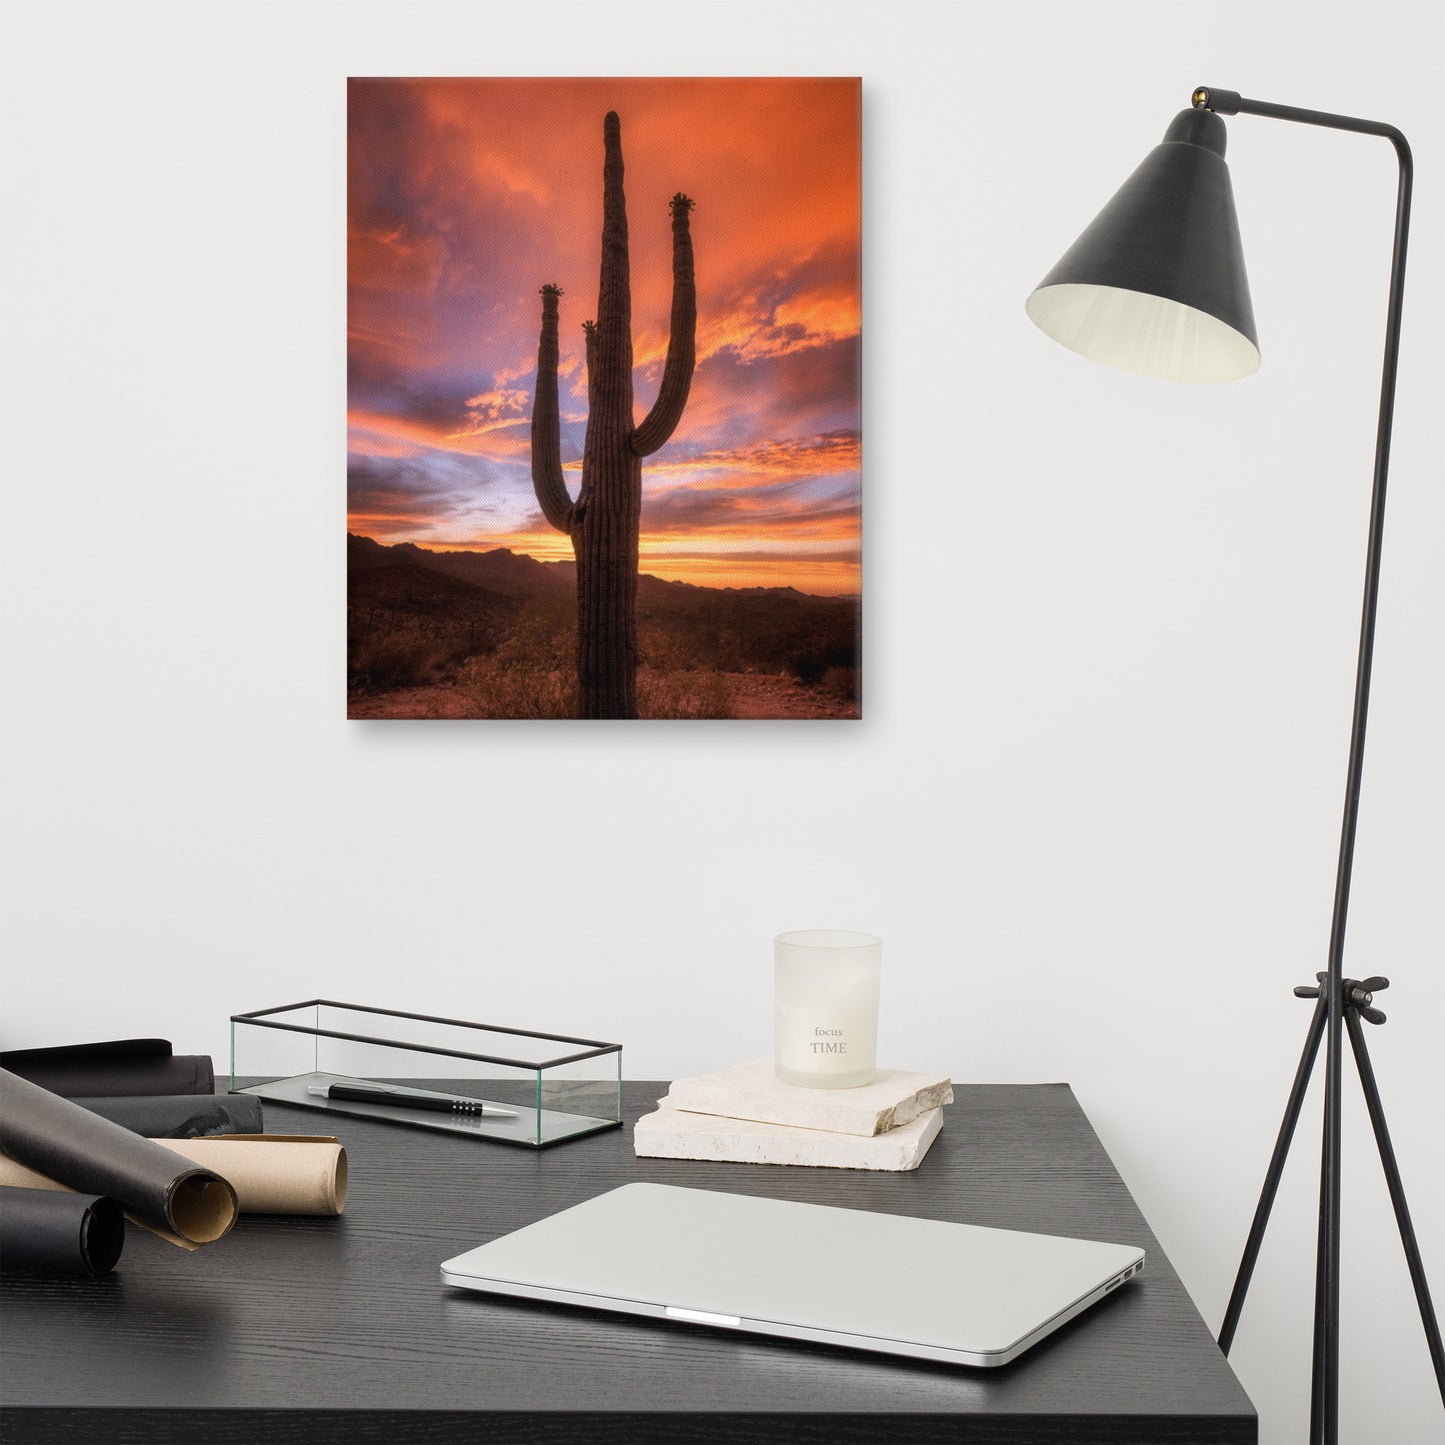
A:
(825, 995)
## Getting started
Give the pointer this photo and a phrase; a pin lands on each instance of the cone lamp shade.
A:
(1156, 284)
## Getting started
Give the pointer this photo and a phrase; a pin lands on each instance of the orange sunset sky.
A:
(466, 196)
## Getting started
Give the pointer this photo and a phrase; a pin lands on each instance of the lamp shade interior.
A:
(1156, 283)
(1150, 335)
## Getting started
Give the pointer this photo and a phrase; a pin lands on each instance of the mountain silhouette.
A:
(413, 611)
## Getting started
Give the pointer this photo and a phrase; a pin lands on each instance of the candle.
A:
(825, 993)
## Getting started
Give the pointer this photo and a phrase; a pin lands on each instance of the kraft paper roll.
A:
(58, 1139)
(274, 1173)
(46, 1233)
(271, 1173)
(181, 1116)
(118, 1066)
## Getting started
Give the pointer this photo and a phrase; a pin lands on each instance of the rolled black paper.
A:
(45, 1232)
(119, 1066)
(91, 1155)
(181, 1116)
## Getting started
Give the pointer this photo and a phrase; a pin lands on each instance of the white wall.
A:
(1110, 623)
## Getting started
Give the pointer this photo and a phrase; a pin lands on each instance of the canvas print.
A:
(604, 448)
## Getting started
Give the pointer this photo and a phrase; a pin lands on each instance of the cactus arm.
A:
(662, 420)
(547, 480)
(579, 510)
(589, 328)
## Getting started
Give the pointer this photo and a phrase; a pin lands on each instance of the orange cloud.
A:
(829, 455)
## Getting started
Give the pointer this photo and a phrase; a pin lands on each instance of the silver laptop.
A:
(918, 1287)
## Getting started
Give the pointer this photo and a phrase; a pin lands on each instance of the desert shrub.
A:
(810, 665)
(495, 691)
(684, 694)
(387, 660)
(533, 674)
(663, 650)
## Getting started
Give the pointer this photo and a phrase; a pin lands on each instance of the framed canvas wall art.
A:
(604, 448)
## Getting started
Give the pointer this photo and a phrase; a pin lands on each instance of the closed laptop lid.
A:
(875, 1281)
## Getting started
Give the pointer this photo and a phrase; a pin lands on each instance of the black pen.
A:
(401, 1098)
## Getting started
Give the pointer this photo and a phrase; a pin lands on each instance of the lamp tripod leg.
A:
(1272, 1176)
(1320, 1432)
(1397, 1196)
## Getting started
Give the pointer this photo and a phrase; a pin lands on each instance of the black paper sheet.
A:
(42, 1232)
(181, 1116)
(119, 1066)
(59, 1139)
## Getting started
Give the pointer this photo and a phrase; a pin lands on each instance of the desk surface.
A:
(338, 1329)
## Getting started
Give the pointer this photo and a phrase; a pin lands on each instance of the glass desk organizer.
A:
(511, 1086)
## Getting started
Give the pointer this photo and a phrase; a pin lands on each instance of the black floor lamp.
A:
(1157, 285)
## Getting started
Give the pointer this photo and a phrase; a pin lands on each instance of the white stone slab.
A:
(673, 1133)
(753, 1091)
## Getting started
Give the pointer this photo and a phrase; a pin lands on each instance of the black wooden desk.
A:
(339, 1330)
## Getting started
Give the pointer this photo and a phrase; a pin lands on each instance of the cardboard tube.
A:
(274, 1173)
(271, 1173)
(81, 1151)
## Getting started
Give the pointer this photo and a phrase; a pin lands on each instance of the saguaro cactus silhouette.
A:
(603, 521)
